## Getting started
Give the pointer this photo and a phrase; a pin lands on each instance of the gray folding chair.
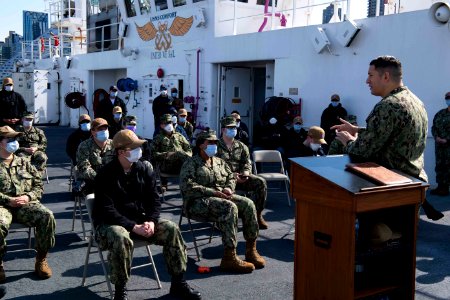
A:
(207, 225)
(18, 227)
(137, 244)
(77, 209)
(273, 157)
(159, 175)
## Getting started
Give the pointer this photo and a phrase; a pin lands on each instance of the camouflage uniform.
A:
(396, 134)
(336, 148)
(238, 159)
(118, 207)
(198, 184)
(162, 144)
(34, 137)
(189, 128)
(21, 178)
(441, 128)
(90, 158)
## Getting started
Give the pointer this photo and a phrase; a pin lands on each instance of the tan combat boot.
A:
(2, 273)
(261, 222)
(252, 256)
(232, 263)
(41, 266)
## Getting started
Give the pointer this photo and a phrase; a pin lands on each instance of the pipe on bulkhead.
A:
(283, 19)
(195, 114)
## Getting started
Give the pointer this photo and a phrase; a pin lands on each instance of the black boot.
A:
(120, 292)
(431, 212)
(181, 289)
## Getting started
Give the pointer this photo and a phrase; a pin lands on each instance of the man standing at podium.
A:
(396, 129)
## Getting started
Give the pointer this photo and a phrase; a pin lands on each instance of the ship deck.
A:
(273, 282)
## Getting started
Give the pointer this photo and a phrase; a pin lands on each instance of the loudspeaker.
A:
(319, 39)
(347, 33)
(440, 13)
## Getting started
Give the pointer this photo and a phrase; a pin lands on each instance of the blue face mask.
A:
(85, 126)
(231, 132)
(117, 116)
(12, 147)
(131, 127)
(447, 101)
(182, 119)
(103, 135)
(335, 103)
(211, 150)
(174, 95)
(297, 127)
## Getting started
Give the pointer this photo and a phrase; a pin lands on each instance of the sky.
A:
(11, 14)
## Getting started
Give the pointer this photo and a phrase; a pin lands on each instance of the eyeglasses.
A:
(10, 140)
(8, 84)
(231, 127)
(238, 120)
(214, 142)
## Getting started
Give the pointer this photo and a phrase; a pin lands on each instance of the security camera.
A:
(440, 12)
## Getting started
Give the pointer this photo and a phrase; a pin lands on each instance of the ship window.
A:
(195, 1)
(237, 92)
(144, 5)
(160, 4)
(179, 3)
(263, 2)
(129, 5)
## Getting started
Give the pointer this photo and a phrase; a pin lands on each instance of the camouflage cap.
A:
(228, 122)
(28, 115)
(117, 109)
(125, 139)
(8, 80)
(132, 120)
(317, 134)
(335, 97)
(84, 117)
(209, 135)
(166, 118)
(98, 122)
(6, 131)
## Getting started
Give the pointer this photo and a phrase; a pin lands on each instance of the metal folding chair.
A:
(274, 158)
(18, 227)
(196, 239)
(137, 244)
(159, 175)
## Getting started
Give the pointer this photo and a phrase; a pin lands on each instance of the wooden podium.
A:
(334, 261)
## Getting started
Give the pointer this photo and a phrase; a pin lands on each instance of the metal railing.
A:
(272, 17)
(103, 38)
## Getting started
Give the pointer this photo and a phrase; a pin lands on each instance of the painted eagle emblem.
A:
(163, 35)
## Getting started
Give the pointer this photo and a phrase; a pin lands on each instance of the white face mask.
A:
(27, 123)
(168, 127)
(135, 155)
(9, 88)
(315, 147)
